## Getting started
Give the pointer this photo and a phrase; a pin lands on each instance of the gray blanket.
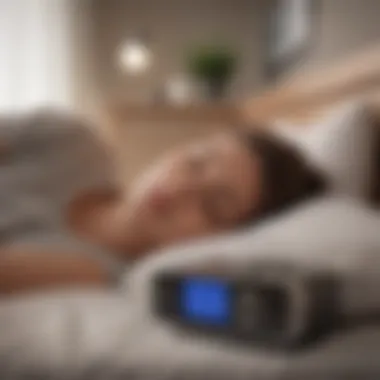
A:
(45, 158)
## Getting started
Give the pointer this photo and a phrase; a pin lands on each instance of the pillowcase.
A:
(342, 145)
(335, 232)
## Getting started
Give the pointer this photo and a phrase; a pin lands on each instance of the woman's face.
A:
(200, 189)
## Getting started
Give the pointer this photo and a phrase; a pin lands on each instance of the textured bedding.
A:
(72, 337)
(45, 158)
(112, 335)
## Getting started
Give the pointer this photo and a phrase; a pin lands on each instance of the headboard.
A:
(304, 96)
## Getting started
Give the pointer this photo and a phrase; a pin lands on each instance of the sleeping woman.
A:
(214, 185)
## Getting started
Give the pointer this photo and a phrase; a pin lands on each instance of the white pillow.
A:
(338, 233)
(341, 145)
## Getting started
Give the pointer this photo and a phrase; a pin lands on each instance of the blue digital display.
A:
(205, 301)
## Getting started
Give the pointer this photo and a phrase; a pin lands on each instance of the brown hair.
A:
(288, 177)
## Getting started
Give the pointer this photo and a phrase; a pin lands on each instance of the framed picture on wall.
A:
(291, 32)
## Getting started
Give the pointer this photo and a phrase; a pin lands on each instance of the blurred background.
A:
(140, 59)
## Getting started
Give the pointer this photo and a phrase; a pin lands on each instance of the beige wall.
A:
(174, 25)
(347, 25)
(342, 27)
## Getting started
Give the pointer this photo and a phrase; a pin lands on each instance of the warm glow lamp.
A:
(135, 57)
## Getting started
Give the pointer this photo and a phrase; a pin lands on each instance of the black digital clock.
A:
(267, 304)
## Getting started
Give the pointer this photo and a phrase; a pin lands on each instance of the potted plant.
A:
(213, 66)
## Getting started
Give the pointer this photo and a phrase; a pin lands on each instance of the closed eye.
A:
(220, 205)
(198, 161)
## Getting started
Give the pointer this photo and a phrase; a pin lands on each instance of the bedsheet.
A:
(97, 335)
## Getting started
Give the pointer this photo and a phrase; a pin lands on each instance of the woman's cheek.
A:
(188, 225)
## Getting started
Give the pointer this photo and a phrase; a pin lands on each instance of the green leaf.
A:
(212, 63)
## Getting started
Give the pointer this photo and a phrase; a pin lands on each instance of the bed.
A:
(113, 334)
